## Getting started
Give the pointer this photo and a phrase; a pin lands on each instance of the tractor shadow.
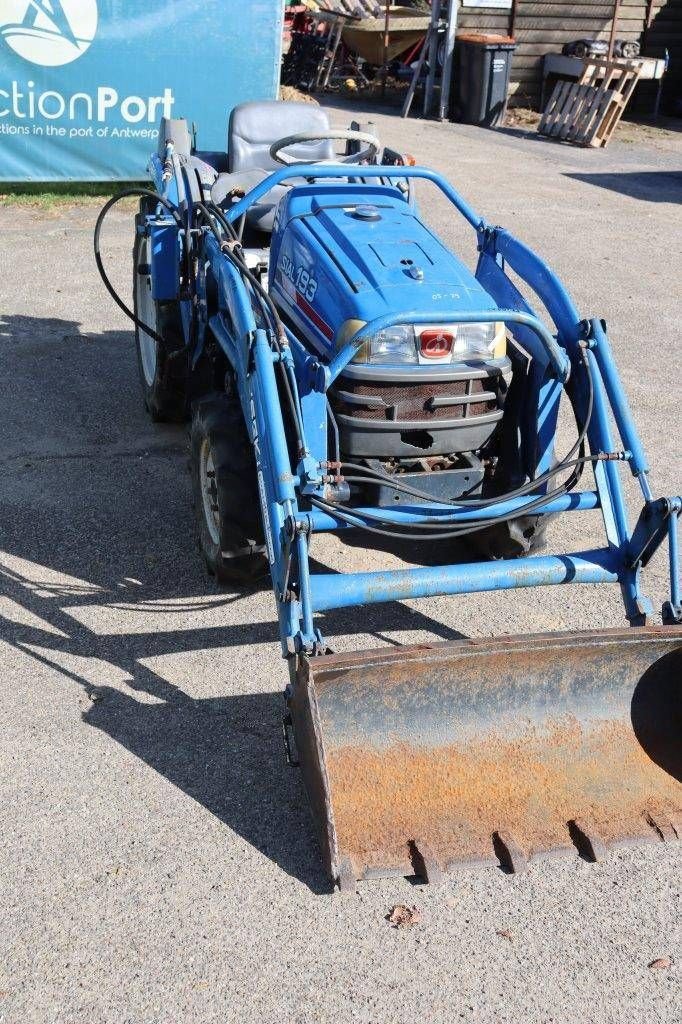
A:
(101, 583)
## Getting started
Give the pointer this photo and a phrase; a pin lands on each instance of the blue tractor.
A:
(342, 369)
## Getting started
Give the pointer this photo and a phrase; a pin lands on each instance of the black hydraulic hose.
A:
(575, 463)
(268, 309)
(577, 472)
(387, 531)
(427, 531)
(265, 301)
(373, 476)
(335, 430)
(127, 193)
(235, 258)
(234, 255)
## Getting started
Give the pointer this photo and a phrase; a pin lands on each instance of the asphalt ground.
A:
(157, 859)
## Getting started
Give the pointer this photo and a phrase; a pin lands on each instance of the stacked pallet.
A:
(586, 112)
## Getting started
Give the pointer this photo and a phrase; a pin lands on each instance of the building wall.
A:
(542, 28)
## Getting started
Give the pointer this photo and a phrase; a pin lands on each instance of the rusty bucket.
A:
(421, 759)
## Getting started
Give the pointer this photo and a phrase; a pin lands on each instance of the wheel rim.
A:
(146, 312)
(209, 492)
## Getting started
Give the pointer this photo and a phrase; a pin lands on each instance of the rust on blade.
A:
(495, 751)
(455, 798)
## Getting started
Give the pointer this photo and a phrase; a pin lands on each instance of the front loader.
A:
(343, 369)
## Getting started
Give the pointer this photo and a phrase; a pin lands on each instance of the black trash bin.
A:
(482, 66)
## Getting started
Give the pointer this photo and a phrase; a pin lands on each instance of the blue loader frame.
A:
(288, 527)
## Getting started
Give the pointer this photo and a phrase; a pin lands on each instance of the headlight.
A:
(394, 345)
(428, 343)
(479, 341)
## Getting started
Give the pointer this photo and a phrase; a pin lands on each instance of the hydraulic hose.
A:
(267, 307)
(430, 531)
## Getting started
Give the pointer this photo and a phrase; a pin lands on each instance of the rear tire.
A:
(225, 491)
(163, 374)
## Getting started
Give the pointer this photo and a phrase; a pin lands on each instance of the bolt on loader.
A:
(341, 368)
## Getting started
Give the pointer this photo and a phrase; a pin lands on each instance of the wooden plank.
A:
(594, 109)
(549, 111)
(528, 17)
(580, 11)
(561, 36)
(581, 96)
(558, 31)
(524, 75)
(620, 77)
(581, 28)
(608, 112)
(465, 19)
(526, 61)
(565, 103)
(553, 108)
(568, 6)
(591, 91)
(561, 109)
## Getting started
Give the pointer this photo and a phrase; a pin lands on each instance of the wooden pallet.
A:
(586, 112)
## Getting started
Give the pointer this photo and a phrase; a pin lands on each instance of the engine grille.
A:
(409, 402)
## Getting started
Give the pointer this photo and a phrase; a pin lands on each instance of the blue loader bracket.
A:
(165, 263)
(659, 519)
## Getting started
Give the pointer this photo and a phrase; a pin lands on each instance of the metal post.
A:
(336, 32)
(446, 80)
(512, 17)
(387, 32)
(417, 74)
(614, 25)
(432, 55)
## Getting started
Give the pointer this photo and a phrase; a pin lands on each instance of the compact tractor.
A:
(342, 369)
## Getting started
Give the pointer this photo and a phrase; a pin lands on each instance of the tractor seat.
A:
(252, 130)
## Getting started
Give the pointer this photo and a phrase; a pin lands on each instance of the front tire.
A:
(225, 491)
(514, 538)
(163, 370)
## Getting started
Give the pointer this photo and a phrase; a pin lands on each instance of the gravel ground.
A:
(158, 863)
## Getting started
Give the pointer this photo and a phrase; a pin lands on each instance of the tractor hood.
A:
(356, 252)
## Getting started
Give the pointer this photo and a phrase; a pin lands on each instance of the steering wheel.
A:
(372, 146)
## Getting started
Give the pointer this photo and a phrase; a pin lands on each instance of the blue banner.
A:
(84, 83)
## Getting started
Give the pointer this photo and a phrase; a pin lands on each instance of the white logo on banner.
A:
(48, 32)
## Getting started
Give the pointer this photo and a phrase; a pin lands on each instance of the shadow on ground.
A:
(96, 517)
(650, 186)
